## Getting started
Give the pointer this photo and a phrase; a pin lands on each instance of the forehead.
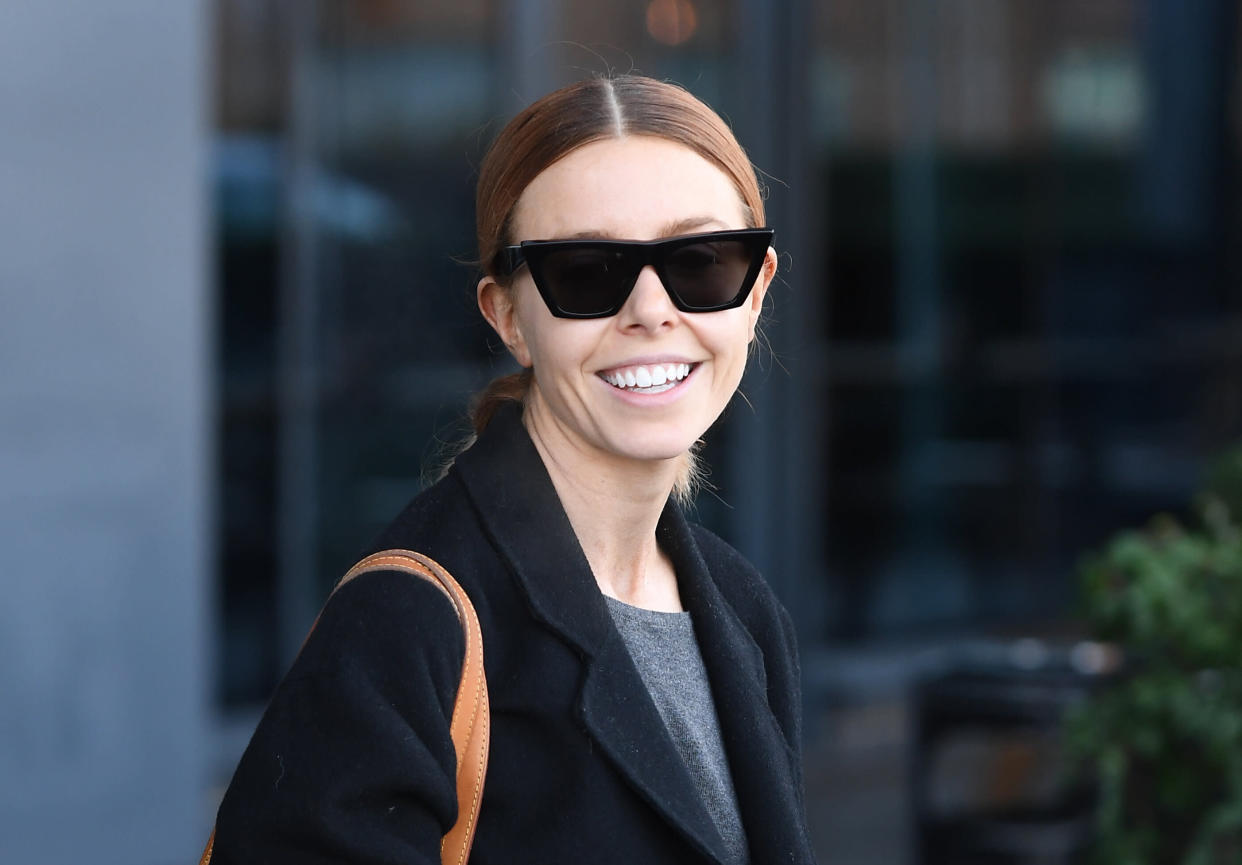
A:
(633, 188)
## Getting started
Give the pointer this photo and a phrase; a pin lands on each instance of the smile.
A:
(648, 378)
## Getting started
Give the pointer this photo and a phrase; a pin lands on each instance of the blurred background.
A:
(238, 333)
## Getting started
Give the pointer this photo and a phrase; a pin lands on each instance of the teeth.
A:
(656, 375)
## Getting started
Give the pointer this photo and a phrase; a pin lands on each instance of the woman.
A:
(643, 678)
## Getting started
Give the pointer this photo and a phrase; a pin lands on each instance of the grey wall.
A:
(104, 518)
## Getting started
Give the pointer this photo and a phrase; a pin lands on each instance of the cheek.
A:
(527, 308)
(730, 342)
(556, 347)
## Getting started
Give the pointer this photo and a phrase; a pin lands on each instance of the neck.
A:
(614, 506)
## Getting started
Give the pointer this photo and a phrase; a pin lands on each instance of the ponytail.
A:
(506, 389)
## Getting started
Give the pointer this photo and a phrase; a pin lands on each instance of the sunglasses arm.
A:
(510, 258)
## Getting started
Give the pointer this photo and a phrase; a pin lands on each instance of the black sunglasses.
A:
(592, 278)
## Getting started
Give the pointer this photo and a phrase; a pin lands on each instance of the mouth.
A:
(648, 378)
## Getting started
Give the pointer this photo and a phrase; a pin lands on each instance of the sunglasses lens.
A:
(711, 273)
(593, 278)
(586, 280)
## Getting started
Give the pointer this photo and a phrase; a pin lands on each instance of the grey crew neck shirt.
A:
(667, 655)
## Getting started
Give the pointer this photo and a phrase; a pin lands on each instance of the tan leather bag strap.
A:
(470, 726)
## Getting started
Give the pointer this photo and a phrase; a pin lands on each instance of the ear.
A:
(496, 304)
(755, 304)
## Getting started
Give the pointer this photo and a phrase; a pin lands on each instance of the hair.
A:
(563, 121)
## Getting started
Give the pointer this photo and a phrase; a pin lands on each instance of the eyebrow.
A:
(672, 229)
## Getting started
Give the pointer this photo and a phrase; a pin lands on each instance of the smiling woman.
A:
(640, 187)
(624, 112)
(643, 678)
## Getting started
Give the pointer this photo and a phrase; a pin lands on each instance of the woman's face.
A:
(634, 188)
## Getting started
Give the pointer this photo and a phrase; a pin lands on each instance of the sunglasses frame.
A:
(646, 252)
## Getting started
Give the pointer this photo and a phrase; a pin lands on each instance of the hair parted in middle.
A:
(576, 115)
(590, 110)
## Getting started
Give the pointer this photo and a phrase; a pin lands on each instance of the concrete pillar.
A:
(104, 431)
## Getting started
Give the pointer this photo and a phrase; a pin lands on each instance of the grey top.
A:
(666, 653)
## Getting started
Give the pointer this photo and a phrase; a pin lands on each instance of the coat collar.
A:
(520, 510)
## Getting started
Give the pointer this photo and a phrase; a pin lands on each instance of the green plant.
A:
(1164, 743)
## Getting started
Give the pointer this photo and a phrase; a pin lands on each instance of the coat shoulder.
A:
(381, 621)
(364, 714)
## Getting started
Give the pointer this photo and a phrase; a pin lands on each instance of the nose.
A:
(648, 307)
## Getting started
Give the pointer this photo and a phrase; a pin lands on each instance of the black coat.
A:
(352, 762)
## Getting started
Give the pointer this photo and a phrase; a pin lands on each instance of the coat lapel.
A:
(760, 761)
(520, 510)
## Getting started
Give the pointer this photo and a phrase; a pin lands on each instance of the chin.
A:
(656, 451)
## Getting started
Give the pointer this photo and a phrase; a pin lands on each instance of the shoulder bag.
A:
(471, 722)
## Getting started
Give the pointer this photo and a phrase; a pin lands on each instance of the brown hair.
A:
(563, 121)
